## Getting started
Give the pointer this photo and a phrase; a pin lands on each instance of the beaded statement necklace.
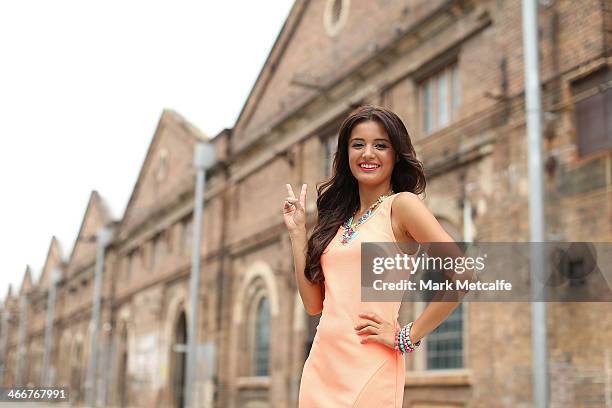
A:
(350, 231)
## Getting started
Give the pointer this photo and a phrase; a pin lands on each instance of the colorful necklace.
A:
(350, 228)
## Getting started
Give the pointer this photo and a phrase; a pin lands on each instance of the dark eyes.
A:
(377, 145)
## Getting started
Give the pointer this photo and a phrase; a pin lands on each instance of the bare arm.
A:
(294, 213)
(311, 294)
(420, 223)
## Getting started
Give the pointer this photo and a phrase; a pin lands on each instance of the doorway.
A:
(178, 360)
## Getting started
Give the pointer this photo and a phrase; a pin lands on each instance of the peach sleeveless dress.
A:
(341, 372)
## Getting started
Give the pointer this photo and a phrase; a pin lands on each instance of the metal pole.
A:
(203, 158)
(23, 314)
(45, 379)
(536, 202)
(103, 238)
(3, 344)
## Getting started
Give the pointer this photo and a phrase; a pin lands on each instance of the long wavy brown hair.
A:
(338, 197)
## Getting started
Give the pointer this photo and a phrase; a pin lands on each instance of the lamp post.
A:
(103, 239)
(46, 375)
(204, 157)
(536, 202)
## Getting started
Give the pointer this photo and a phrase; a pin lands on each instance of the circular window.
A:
(336, 13)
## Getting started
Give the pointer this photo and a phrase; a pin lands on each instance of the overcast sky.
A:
(82, 86)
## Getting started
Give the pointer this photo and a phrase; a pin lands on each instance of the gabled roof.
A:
(271, 63)
(96, 216)
(188, 135)
(54, 260)
(26, 283)
(9, 295)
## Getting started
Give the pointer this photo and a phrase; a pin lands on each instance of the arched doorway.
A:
(123, 377)
(178, 360)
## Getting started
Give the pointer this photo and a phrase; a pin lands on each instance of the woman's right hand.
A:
(294, 211)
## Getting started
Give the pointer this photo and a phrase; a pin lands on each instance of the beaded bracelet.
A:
(403, 342)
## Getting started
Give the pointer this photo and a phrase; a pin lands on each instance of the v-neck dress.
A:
(341, 372)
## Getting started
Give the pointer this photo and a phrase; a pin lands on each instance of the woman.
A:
(357, 355)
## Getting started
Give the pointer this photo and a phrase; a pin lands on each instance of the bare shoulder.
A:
(417, 220)
(407, 204)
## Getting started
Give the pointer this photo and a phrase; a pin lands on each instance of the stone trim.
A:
(253, 382)
(440, 378)
(264, 271)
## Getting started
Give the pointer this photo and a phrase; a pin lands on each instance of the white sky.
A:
(82, 87)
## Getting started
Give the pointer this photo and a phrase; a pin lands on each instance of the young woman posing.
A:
(357, 355)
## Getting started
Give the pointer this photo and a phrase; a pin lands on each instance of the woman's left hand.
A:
(378, 329)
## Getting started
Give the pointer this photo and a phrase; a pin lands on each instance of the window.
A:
(329, 150)
(440, 96)
(168, 238)
(445, 344)
(131, 262)
(593, 101)
(158, 250)
(187, 234)
(262, 338)
(335, 15)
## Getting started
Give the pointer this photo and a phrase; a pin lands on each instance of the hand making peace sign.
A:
(294, 211)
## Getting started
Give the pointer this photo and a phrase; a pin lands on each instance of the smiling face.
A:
(370, 153)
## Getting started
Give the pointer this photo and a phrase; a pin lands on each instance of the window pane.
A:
(443, 115)
(456, 89)
(130, 264)
(427, 107)
(262, 337)
(187, 234)
(445, 344)
(593, 106)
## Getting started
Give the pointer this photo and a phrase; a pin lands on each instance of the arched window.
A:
(253, 316)
(261, 351)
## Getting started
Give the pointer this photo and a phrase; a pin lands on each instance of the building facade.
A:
(453, 71)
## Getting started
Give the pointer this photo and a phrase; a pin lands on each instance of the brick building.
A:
(453, 70)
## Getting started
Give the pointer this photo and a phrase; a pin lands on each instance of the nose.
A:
(367, 152)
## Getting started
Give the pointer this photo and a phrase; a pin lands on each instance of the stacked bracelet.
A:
(403, 342)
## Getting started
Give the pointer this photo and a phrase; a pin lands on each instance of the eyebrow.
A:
(362, 139)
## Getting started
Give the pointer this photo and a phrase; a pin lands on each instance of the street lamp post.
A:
(204, 157)
(536, 202)
(103, 239)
